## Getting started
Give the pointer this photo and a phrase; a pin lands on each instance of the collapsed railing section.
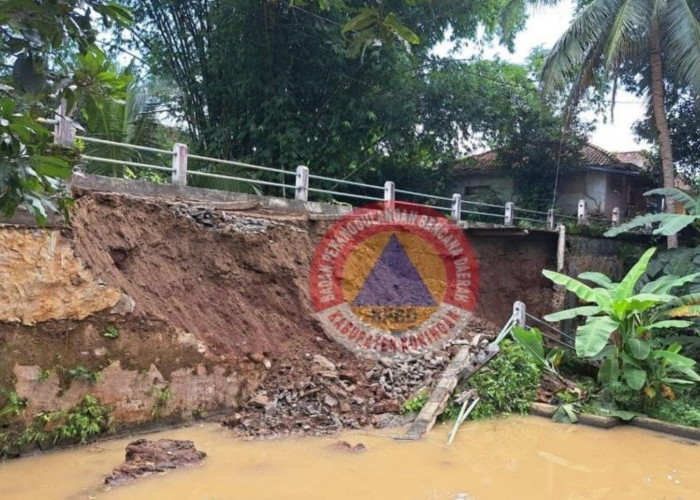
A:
(300, 184)
(524, 319)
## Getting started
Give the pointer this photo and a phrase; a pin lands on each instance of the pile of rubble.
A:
(316, 396)
(223, 217)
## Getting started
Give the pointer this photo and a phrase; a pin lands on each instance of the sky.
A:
(544, 27)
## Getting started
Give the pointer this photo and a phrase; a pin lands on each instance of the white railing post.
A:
(179, 176)
(63, 130)
(509, 216)
(615, 217)
(550, 219)
(301, 187)
(582, 213)
(519, 311)
(456, 212)
(561, 247)
(389, 195)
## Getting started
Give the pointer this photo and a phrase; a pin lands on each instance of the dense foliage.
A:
(507, 384)
(80, 423)
(33, 36)
(683, 115)
(274, 84)
(620, 328)
(50, 56)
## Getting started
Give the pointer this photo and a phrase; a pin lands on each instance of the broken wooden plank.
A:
(466, 362)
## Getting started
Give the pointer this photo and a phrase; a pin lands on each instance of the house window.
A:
(616, 184)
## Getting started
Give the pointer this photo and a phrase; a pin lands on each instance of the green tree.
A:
(611, 36)
(683, 116)
(132, 120)
(35, 38)
(273, 84)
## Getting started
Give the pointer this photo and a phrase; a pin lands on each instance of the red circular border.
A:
(378, 227)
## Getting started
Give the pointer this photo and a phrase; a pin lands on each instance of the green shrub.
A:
(83, 421)
(416, 403)
(78, 424)
(163, 396)
(622, 324)
(15, 404)
(81, 372)
(507, 384)
(111, 332)
(683, 411)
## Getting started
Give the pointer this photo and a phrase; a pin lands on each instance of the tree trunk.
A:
(659, 109)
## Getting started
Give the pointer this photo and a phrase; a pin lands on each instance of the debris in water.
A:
(145, 458)
(344, 445)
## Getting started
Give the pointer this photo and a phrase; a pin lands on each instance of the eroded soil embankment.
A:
(208, 301)
(239, 284)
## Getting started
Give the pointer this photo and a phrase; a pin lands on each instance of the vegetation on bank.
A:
(506, 385)
(637, 336)
(84, 421)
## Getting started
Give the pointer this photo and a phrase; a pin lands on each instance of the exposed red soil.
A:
(240, 290)
(239, 280)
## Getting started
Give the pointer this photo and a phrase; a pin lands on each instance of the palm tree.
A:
(133, 120)
(612, 36)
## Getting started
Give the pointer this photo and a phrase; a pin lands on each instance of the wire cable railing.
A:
(561, 333)
(306, 186)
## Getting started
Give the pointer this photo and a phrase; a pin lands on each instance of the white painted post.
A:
(179, 176)
(561, 247)
(550, 219)
(519, 311)
(389, 195)
(301, 188)
(63, 130)
(509, 215)
(582, 213)
(456, 207)
(615, 217)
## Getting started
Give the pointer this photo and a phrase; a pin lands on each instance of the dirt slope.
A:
(240, 287)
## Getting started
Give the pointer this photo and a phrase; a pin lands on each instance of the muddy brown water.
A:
(523, 458)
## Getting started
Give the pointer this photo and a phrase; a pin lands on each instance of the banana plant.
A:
(668, 223)
(620, 324)
(531, 340)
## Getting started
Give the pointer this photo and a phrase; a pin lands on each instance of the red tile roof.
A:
(592, 156)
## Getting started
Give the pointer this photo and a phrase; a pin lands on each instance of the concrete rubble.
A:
(324, 397)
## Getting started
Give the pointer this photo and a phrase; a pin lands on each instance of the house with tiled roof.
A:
(604, 179)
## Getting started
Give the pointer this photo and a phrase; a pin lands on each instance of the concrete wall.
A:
(500, 184)
(590, 186)
(54, 313)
